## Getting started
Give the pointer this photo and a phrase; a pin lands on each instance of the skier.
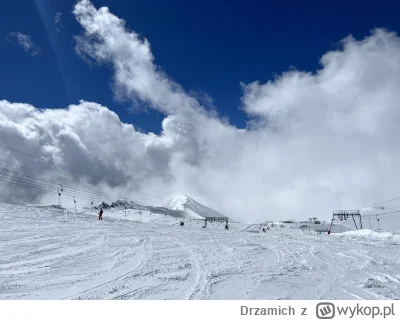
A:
(101, 214)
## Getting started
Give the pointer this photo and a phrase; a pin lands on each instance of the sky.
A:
(208, 47)
(261, 110)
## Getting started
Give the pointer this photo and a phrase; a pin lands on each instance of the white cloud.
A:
(25, 42)
(106, 40)
(57, 21)
(319, 141)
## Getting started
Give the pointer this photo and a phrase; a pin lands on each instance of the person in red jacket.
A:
(101, 214)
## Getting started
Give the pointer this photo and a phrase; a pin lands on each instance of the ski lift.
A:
(59, 194)
(379, 225)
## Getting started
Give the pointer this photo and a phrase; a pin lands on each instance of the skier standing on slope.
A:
(101, 214)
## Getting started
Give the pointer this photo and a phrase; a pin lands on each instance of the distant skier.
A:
(101, 214)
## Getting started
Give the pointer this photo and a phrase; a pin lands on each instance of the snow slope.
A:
(192, 208)
(370, 234)
(50, 253)
(181, 206)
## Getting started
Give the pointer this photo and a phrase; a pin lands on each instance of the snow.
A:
(192, 208)
(180, 207)
(48, 252)
(366, 233)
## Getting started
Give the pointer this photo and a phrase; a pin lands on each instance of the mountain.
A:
(192, 208)
(181, 206)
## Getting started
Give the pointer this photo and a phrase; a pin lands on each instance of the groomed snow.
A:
(46, 254)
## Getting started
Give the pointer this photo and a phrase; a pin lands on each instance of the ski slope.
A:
(46, 254)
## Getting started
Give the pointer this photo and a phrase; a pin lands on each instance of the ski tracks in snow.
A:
(43, 257)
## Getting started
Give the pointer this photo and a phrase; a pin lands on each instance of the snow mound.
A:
(46, 206)
(366, 233)
(192, 208)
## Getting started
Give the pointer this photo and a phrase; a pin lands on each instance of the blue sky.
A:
(283, 163)
(208, 47)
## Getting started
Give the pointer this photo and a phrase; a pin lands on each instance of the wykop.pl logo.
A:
(325, 310)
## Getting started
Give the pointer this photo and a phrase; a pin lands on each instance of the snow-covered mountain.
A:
(192, 208)
(181, 206)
